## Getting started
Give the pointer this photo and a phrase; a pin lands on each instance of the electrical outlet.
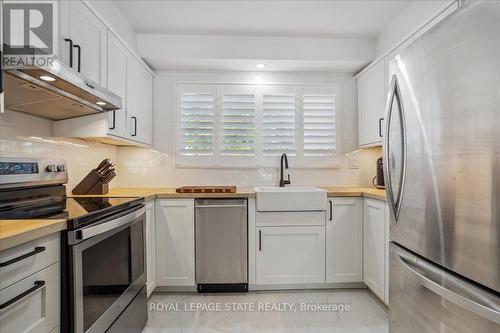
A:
(353, 163)
(163, 159)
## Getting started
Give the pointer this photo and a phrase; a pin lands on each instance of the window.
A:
(238, 124)
(278, 124)
(197, 123)
(319, 125)
(233, 125)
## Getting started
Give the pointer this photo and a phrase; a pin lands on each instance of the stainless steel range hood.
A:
(56, 92)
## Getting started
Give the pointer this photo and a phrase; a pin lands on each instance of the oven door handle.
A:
(113, 224)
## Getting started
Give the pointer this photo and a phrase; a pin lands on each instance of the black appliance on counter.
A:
(103, 254)
(378, 180)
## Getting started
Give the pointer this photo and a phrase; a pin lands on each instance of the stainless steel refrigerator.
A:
(442, 171)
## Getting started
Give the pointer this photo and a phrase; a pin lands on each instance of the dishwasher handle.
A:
(220, 203)
(220, 206)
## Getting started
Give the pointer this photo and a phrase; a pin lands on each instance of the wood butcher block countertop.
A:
(165, 192)
(246, 192)
(368, 192)
(16, 232)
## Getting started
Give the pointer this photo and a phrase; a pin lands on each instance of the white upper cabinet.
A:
(344, 240)
(118, 58)
(106, 60)
(139, 101)
(89, 36)
(371, 105)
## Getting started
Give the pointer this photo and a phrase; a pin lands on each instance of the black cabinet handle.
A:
(260, 240)
(70, 41)
(79, 56)
(38, 285)
(135, 126)
(113, 123)
(380, 120)
(37, 250)
(331, 209)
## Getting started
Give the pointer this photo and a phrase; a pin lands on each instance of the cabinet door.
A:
(140, 101)
(150, 247)
(344, 240)
(118, 57)
(290, 255)
(371, 105)
(175, 242)
(375, 246)
(38, 308)
(87, 31)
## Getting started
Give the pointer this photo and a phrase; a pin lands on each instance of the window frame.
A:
(219, 161)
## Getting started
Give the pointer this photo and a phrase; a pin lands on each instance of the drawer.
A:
(38, 254)
(37, 309)
(267, 219)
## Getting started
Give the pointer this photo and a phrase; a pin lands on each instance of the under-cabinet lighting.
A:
(47, 78)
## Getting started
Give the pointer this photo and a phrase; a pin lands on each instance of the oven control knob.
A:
(51, 168)
(61, 168)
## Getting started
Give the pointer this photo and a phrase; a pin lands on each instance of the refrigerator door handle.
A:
(452, 288)
(394, 96)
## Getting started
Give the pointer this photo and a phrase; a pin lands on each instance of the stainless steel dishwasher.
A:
(221, 245)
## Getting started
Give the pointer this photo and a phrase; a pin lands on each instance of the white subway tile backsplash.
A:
(142, 167)
(81, 156)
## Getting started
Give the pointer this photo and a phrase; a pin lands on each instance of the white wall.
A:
(112, 16)
(23, 135)
(414, 17)
(142, 167)
(241, 53)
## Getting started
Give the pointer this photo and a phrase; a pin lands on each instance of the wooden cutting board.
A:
(206, 189)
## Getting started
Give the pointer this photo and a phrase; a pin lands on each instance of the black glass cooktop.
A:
(82, 211)
(51, 203)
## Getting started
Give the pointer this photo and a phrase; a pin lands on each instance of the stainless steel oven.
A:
(107, 269)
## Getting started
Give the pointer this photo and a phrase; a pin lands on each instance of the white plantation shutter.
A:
(245, 125)
(278, 124)
(197, 124)
(238, 124)
(319, 125)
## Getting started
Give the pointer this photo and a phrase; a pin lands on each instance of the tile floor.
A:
(176, 313)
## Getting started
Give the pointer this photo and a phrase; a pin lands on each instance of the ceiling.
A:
(355, 18)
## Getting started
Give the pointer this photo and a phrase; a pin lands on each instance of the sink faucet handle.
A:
(288, 180)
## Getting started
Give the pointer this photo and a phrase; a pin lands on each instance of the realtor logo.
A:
(28, 28)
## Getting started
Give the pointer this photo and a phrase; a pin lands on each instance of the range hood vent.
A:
(56, 92)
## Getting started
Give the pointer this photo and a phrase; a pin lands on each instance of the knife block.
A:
(91, 184)
(98, 188)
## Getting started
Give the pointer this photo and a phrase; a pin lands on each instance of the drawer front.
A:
(37, 311)
(37, 254)
(268, 219)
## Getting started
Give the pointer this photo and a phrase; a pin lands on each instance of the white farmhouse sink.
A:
(290, 199)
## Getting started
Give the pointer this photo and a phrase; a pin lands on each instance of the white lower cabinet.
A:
(30, 286)
(290, 255)
(175, 260)
(150, 247)
(344, 240)
(44, 252)
(37, 308)
(376, 247)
